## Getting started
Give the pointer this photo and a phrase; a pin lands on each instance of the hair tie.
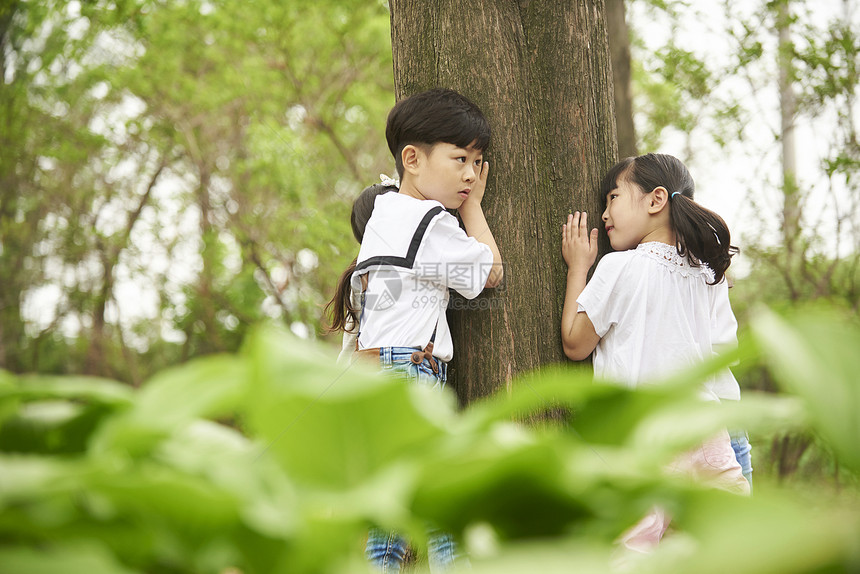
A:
(389, 181)
(674, 194)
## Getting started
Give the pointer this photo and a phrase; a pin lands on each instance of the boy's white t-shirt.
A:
(655, 315)
(407, 292)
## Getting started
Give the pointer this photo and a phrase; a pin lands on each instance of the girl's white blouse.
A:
(655, 315)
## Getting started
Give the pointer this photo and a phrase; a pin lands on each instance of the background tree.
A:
(817, 255)
(175, 172)
(759, 73)
(541, 73)
(619, 49)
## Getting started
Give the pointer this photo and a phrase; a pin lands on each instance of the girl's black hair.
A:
(434, 116)
(340, 305)
(701, 235)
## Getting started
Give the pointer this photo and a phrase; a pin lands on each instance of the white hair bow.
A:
(389, 181)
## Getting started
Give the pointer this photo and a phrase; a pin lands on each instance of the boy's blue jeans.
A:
(397, 360)
(387, 550)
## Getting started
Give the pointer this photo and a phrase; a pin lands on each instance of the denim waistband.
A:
(392, 355)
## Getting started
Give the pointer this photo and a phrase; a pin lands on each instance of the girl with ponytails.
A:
(656, 305)
(345, 306)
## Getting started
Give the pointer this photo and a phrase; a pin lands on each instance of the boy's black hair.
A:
(439, 115)
(700, 234)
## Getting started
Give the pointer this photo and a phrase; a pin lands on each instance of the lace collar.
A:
(668, 255)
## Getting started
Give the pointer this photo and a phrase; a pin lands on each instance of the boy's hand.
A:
(578, 246)
(478, 188)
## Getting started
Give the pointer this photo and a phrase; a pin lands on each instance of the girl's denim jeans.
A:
(742, 448)
(387, 550)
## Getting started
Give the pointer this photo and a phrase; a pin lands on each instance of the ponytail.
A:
(340, 306)
(701, 235)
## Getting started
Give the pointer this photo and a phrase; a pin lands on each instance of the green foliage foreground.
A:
(97, 477)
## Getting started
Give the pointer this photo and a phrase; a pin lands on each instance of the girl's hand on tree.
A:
(478, 188)
(578, 246)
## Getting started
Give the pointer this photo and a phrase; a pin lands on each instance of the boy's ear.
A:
(410, 156)
(658, 200)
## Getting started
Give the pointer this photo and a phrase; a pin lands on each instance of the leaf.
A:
(224, 458)
(23, 477)
(678, 426)
(167, 499)
(772, 532)
(207, 387)
(89, 557)
(524, 489)
(814, 355)
(335, 426)
(51, 427)
(82, 388)
(545, 556)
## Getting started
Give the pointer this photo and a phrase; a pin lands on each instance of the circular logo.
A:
(392, 288)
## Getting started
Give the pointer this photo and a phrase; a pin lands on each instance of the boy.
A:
(413, 251)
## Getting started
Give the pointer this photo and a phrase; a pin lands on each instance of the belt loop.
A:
(386, 356)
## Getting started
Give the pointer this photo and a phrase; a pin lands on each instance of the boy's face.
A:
(446, 173)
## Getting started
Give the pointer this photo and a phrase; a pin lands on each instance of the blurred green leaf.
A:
(361, 421)
(814, 355)
(215, 386)
(96, 390)
(51, 426)
(91, 558)
(768, 533)
(326, 451)
(223, 457)
(508, 478)
(56, 414)
(22, 477)
(565, 555)
(167, 498)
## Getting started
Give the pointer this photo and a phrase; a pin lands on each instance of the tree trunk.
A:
(788, 111)
(95, 362)
(209, 340)
(541, 73)
(619, 50)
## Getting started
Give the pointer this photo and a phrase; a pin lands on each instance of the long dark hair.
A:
(340, 306)
(700, 234)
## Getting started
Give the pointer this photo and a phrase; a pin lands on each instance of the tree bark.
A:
(619, 50)
(541, 73)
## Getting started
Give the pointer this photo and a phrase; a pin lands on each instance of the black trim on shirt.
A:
(409, 260)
